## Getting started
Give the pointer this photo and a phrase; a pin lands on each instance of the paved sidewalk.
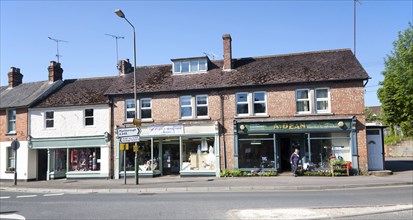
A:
(205, 184)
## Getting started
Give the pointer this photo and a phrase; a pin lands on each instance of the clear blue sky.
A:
(174, 29)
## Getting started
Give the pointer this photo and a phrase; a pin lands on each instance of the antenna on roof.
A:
(355, 1)
(210, 54)
(116, 37)
(57, 44)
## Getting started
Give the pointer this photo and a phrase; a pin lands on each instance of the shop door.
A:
(285, 153)
(41, 164)
(375, 150)
(170, 157)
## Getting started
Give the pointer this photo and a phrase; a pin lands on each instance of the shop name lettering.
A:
(290, 126)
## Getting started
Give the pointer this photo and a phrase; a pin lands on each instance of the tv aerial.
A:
(57, 46)
(211, 54)
(116, 38)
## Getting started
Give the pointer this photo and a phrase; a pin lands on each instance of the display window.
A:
(198, 154)
(60, 158)
(84, 159)
(146, 161)
(256, 151)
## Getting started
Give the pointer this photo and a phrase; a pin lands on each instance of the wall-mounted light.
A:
(340, 124)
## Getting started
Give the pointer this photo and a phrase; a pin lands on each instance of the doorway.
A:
(170, 157)
(42, 164)
(285, 152)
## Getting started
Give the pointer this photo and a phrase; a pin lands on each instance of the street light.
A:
(119, 13)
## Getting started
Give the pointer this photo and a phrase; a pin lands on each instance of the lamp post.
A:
(119, 13)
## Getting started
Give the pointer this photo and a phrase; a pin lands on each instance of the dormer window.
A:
(194, 65)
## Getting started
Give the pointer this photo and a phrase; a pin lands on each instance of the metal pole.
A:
(136, 166)
(15, 167)
(355, 27)
(124, 163)
(57, 55)
(117, 57)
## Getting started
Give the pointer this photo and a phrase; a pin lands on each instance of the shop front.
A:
(267, 145)
(72, 157)
(178, 149)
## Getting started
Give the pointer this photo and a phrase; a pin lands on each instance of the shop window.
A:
(84, 159)
(10, 159)
(242, 103)
(194, 106)
(49, 119)
(60, 161)
(145, 109)
(198, 154)
(322, 98)
(11, 121)
(145, 163)
(256, 153)
(303, 101)
(89, 121)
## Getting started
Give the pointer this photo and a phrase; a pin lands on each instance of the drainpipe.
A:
(111, 146)
(223, 130)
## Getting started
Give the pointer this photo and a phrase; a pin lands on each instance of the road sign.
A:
(130, 139)
(127, 132)
(15, 144)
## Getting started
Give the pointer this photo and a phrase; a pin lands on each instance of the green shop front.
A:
(267, 145)
(72, 157)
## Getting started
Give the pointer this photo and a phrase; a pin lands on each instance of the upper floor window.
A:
(313, 100)
(303, 100)
(190, 66)
(11, 121)
(194, 106)
(322, 98)
(145, 108)
(251, 103)
(49, 119)
(89, 117)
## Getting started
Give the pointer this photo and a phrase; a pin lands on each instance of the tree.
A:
(396, 94)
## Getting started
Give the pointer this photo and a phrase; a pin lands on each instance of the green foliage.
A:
(396, 95)
(317, 173)
(335, 162)
(392, 139)
(239, 173)
(371, 117)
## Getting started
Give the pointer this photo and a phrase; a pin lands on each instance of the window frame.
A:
(328, 99)
(191, 105)
(253, 102)
(201, 105)
(246, 102)
(144, 108)
(86, 117)
(129, 109)
(189, 61)
(48, 119)
(303, 100)
(9, 131)
(10, 162)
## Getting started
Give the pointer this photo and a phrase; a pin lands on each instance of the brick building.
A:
(200, 116)
(15, 100)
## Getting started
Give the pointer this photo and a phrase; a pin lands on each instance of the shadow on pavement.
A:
(399, 165)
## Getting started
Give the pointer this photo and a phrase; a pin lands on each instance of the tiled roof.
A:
(375, 109)
(75, 92)
(316, 66)
(26, 94)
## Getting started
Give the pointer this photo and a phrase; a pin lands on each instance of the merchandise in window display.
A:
(202, 160)
(83, 160)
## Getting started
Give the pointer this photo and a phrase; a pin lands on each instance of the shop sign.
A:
(295, 125)
(166, 129)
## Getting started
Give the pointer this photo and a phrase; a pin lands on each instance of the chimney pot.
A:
(227, 52)
(15, 77)
(55, 71)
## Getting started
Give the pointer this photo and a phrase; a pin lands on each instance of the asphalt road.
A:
(196, 205)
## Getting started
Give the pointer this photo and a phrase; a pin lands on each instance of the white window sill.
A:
(147, 120)
(195, 119)
(312, 114)
(11, 133)
(251, 116)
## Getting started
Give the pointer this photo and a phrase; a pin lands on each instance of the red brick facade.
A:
(21, 126)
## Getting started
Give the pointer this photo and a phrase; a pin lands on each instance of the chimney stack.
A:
(15, 77)
(125, 67)
(227, 52)
(55, 71)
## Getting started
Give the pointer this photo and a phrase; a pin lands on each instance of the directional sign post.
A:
(130, 139)
(129, 135)
(127, 132)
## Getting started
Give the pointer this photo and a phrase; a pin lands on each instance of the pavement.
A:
(402, 175)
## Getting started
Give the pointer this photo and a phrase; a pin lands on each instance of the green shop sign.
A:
(337, 125)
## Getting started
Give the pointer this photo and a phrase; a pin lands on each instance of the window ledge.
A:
(312, 114)
(11, 133)
(195, 119)
(147, 120)
(251, 116)
(9, 171)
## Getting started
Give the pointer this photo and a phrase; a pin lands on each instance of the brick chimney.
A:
(55, 71)
(15, 77)
(227, 52)
(124, 67)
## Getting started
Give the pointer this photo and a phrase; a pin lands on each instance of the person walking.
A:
(294, 161)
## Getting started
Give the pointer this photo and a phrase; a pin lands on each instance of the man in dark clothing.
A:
(294, 161)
